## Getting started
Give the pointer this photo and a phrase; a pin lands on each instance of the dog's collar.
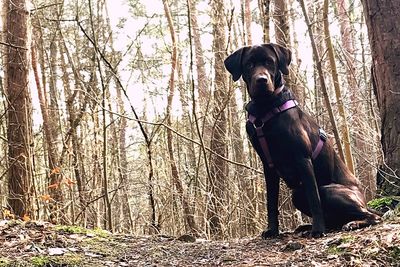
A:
(259, 108)
(277, 91)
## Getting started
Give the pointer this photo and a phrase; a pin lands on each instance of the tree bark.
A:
(19, 131)
(282, 35)
(202, 82)
(54, 171)
(335, 77)
(264, 6)
(348, 46)
(384, 34)
(218, 168)
(247, 22)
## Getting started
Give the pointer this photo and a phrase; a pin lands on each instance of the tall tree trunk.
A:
(281, 18)
(338, 93)
(18, 110)
(202, 81)
(384, 35)
(54, 170)
(187, 213)
(104, 91)
(247, 22)
(122, 153)
(75, 116)
(218, 168)
(348, 46)
(282, 36)
(264, 6)
(19, 131)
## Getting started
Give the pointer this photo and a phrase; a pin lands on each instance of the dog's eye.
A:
(269, 61)
(249, 65)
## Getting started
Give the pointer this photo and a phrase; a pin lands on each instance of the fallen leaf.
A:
(26, 218)
(46, 198)
(53, 186)
(69, 182)
(56, 170)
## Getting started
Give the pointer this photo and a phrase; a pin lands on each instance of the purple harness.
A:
(263, 141)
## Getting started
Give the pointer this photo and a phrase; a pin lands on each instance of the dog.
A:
(293, 147)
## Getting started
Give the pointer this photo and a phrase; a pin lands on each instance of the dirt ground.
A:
(43, 244)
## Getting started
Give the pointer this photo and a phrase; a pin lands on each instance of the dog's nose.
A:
(261, 78)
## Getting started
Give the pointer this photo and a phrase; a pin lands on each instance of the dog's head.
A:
(261, 67)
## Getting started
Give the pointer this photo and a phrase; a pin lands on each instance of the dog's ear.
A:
(284, 57)
(233, 63)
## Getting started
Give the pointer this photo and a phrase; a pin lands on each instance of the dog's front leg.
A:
(272, 183)
(306, 172)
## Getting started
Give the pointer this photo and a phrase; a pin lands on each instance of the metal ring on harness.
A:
(257, 127)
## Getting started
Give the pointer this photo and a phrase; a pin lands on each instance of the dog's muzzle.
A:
(261, 79)
(261, 85)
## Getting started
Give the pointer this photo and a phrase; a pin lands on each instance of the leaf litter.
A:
(44, 244)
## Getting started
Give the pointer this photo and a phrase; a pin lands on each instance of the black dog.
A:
(292, 146)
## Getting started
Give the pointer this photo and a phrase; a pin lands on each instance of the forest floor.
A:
(43, 244)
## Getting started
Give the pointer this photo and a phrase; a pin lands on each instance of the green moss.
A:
(394, 253)
(384, 202)
(99, 232)
(71, 229)
(65, 260)
(40, 261)
(347, 239)
(335, 250)
(103, 246)
(336, 247)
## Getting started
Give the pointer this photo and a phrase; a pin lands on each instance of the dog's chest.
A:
(281, 147)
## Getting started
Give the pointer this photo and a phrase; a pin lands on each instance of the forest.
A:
(120, 115)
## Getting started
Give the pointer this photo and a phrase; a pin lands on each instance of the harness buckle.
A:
(322, 134)
(256, 126)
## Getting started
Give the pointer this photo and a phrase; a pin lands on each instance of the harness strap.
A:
(320, 144)
(259, 128)
(264, 146)
(263, 141)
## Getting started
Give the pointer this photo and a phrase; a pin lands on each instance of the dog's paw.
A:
(317, 234)
(269, 233)
(303, 228)
(350, 226)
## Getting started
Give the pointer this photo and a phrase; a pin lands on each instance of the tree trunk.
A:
(282, 36)
(19, 132)
(122, 154)
(384, 35)
(204, 93)
(218, 168)
(348, 46)
(187, 213)
(247, 22)
(264, 6)
(54, 171)
(338, 93)
(281, 18)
